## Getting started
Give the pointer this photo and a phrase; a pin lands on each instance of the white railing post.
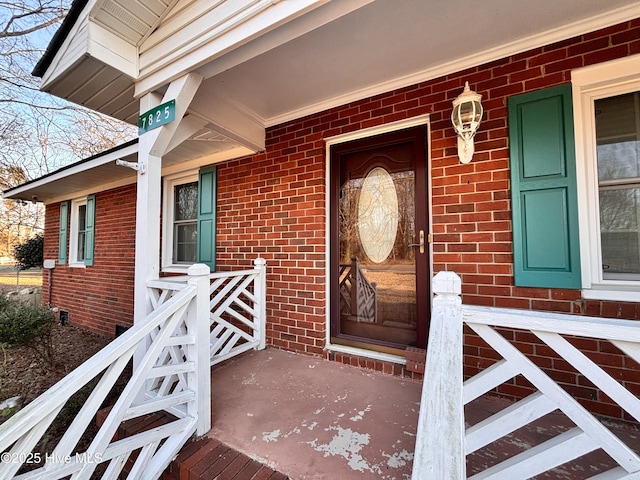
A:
(440, 438)
(260, 292)
(197, 323)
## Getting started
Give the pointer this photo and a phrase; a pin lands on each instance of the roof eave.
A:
(31, 190)
(59, 37)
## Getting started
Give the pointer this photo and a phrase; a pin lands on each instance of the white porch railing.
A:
(237, 317)
(172, 374)
(444, 441)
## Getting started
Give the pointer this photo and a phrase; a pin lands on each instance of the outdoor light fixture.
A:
(466, 116)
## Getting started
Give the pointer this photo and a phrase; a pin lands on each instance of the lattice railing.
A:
(578, 442)
(170, 361)
(238, 312)
(196, 320)
(237, 309)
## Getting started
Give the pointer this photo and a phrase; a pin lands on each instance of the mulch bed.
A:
(25, 374)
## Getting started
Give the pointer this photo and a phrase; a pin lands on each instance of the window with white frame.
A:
(78, 232)
(606, 101)
(189, 220)
(617, 122)
(180, 232)
(185, 222)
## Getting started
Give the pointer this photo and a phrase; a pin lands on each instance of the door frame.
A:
(359, 135)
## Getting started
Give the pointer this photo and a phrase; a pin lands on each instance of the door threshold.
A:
(380, 352)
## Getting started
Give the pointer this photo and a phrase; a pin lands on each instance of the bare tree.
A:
(38, 132)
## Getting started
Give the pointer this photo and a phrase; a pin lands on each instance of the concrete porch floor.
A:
(314, 419)
(311, 419)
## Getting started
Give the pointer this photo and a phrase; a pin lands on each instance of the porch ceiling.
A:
(389, 43)
(286, 73)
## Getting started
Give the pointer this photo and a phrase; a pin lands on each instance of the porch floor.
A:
(309, 418)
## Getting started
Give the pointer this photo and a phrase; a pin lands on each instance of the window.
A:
(81, 236)
(79, 210)
(189, 220)
(617, 122)
(185, 222)
(606, 101)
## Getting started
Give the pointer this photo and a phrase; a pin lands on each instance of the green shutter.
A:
(543, 188)
(207, 217)
(62, 233)
(89, 237)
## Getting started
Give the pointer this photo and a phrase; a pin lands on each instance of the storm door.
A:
(379, 249)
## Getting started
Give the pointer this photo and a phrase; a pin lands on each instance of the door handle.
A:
(421, 244)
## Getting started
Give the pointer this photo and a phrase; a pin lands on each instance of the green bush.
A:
(23, 324)
(30, 254)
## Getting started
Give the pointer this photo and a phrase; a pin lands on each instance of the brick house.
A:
(527, 223)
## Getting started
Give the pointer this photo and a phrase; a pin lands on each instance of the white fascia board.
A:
(546, 38)
(195, 45)
(112, 50)
(131, 150)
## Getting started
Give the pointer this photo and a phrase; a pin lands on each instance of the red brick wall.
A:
(273, 204)
(101, 296)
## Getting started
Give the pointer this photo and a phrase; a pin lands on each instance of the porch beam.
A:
(230, 118)
(182, 90)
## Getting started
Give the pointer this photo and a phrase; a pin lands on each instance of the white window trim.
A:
(169, 182)
(73, 234)
(589, 84)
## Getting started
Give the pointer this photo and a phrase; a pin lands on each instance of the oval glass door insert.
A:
(378, 214)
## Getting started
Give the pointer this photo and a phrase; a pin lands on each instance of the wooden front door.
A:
(379, 250)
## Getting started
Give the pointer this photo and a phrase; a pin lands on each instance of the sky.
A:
(38, 132)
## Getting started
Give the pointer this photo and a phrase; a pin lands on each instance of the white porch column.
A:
(153, 145)
(148, 208)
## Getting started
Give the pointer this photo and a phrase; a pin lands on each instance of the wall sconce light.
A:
(466, 116)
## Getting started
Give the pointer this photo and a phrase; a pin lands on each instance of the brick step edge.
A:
(204, 457)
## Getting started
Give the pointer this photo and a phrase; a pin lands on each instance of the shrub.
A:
(30, 254)
(23, 324)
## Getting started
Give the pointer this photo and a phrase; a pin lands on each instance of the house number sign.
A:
(157, 116)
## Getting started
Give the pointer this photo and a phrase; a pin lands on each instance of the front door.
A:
(379, 249)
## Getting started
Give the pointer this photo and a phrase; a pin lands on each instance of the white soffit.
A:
(132, 20)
